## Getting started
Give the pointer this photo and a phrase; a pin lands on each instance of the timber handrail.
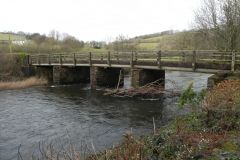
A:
(193, 60)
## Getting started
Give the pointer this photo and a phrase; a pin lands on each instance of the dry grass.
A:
(225, 95)
(33, 81)
(131, 148)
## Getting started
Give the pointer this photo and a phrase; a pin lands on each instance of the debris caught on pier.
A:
(151, 90)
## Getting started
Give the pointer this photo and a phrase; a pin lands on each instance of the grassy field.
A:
(5, 37)
(164, 42)
(147, 46)
(176, 41)
(89, 49)
(156, 39)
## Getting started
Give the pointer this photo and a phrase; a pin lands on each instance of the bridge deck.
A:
(192, 61)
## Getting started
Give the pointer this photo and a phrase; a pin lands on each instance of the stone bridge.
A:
(107, 69)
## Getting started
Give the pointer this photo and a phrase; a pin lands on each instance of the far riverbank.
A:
(25, 83)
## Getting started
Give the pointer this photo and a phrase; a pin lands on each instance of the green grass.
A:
(156, 39)
(176, 41)
(88, 49)
(165, 42)
(147, 46)
(5, 37)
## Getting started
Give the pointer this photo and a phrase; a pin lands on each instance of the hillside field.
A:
(14, 37)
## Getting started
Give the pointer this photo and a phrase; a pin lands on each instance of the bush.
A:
(224, 96)
(10, 66)
(191, 98)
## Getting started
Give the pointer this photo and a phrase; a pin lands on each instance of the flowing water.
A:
(76, 113)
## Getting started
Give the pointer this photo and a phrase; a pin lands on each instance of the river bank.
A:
(212, 133)
(25, 83)
(188, 137)
(12, 73)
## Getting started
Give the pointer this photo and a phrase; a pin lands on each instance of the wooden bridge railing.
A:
(229, 61)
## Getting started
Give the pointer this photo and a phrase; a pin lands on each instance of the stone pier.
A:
(140, 77)
(99, 76)
(106, 77)
(70, 75)
(45, 72)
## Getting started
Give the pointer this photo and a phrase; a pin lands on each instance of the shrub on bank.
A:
(224, 96)
(11, 66)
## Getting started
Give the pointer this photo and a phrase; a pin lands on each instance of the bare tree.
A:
(123, 43)
(220, 20)
(70, 43)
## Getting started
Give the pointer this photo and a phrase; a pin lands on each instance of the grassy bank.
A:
(29, 82)
(190, 137)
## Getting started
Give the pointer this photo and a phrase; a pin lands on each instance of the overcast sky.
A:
(97, 19)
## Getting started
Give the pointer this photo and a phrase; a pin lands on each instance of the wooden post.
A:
(90, 58)
(49, 59)
(10, 43)
(109, 59)
(194, 61)
(131, 60)
(101, 57)
(233, 61)
(136, 56)
(26, 61)
(183, 57)
(159, 54)
(117, 57)
(93, 79)
(60, 59)
(29, 60)
(119, 79)
(38, 59)
(74, 59)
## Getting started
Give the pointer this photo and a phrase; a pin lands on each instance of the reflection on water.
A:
(45, 113)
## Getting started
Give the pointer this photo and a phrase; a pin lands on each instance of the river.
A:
(78, 114)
